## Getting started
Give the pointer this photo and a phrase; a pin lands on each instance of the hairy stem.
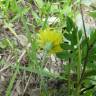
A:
(78, 67)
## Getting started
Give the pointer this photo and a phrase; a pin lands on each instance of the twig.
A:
(27, 84)
(24, 51)
(5, 67)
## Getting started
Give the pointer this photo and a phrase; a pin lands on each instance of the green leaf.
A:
(80, 34)
(69, 24)
(89, 73)
(46, 8)
(66, 46)
(39, 3)
(92, 39)
(93, 14)
(63, 55)
(67, 36)
(4, 44)
(91, 64)
(74, 37)
(72, 30)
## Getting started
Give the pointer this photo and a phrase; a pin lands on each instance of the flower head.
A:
(50, 39)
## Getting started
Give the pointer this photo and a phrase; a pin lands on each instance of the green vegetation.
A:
(36, 35)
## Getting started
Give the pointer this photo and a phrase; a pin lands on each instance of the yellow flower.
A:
(50, 39)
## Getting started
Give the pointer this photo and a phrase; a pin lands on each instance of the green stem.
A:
(78, 67)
